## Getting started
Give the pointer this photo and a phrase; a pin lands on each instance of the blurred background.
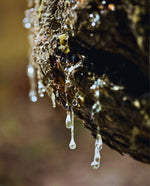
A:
(33, 138)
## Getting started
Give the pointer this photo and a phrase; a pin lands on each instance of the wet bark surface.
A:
(93, 56)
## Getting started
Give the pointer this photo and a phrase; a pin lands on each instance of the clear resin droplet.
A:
(98, 142)
(30, 71)
(75, 102)
(41, 89)
(95, 88)
(95, 165)
(67, 106)
(98, 146)
(57, 94)
(26, 20)
(53, 99)
(31, 75)
(33, 96)
(72, 144)
(68, 120)
(96, 107)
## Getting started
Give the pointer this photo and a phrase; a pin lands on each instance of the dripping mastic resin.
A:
(53, 98)
(43, 45)
(31, 75)
(68, 120)
(98, 146)
(70, 125)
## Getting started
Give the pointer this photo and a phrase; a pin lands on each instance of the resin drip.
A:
(72, 144)
(68, 120)
(53, 98)
(98, 146)
(70, 125)
(41, 89)
(96, 108)
(31, 75)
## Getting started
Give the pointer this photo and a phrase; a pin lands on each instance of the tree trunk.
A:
(93, 56)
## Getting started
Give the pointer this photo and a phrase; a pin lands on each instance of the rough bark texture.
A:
(93, 55)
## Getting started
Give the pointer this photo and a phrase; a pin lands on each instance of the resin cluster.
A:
(54, 47)
(53, 64)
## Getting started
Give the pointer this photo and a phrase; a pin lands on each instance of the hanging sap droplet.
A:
(53, 100)
(27, 25)
(67, 106)
(96, 107)
(74, 102)
(30, 71)
(31, 75)
(68, 120)
(97, 93)
(57, 93)
(97, 155)
(96, 162)
(98, 146)
(94, 19)
(26, 22)
(33, 96)
(98, 83)
(72, 144)
(67, 83)
(95, 165)
(41, 89)
(98, 142)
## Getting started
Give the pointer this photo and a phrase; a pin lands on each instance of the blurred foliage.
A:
(33, 139)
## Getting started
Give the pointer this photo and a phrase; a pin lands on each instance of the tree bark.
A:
(93, 55)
